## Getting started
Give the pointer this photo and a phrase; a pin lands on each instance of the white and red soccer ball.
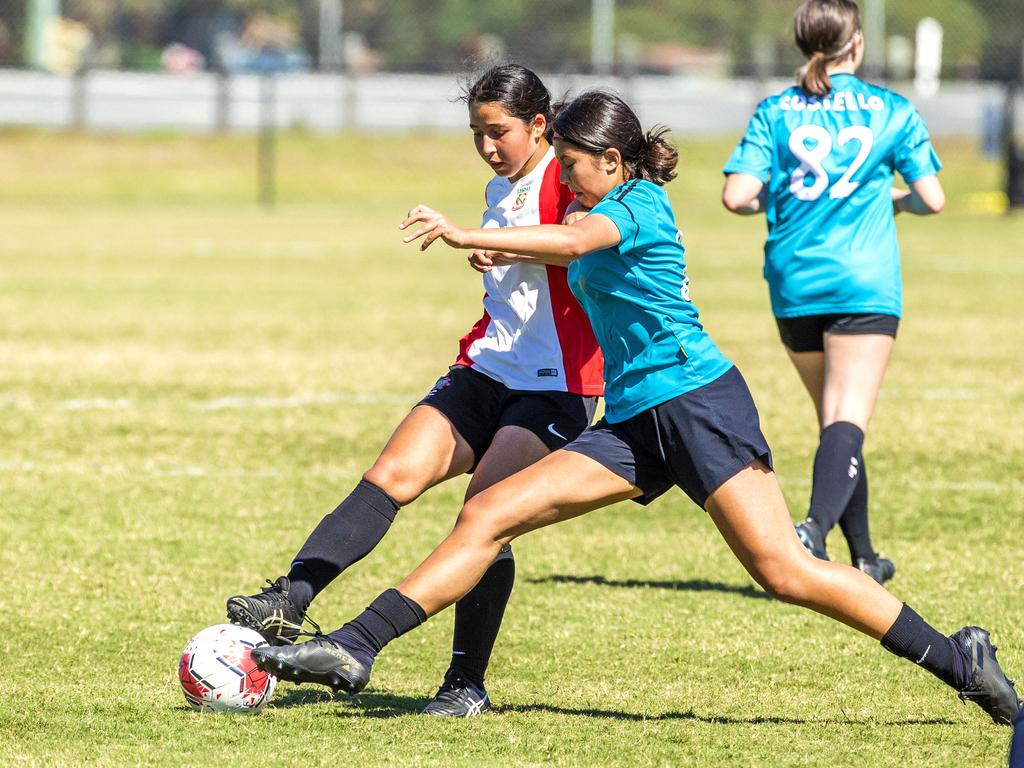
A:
(217, 671)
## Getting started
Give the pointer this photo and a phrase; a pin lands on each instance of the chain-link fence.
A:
(980, 39)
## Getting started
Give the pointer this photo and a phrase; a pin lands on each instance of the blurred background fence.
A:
(331, 65)
(980, 40)
(192, 64)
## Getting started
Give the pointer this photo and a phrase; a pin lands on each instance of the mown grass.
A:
(189, 382)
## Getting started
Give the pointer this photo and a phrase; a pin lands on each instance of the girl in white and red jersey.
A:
(525, 383)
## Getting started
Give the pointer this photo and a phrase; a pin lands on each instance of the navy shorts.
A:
(478, 406)
(807, 334)
(697, 441)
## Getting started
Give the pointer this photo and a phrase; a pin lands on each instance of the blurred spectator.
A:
(66, 45)
(179, 59)
(197, 25)
(267, 44)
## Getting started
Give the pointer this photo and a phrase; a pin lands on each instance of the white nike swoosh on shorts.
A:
(555, 432)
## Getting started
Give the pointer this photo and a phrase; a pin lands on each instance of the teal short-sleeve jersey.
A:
(638, 300)
(828, 164)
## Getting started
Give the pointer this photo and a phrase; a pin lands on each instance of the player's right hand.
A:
(435, 225)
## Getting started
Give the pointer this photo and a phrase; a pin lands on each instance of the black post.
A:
(267, 140)
(1014, 153)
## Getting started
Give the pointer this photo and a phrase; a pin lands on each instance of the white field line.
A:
(978, 486)
(194, 470)
(297, 401)
(152, 470)
(97, 404)
(240, 402)
(940, 394)
(244, 402)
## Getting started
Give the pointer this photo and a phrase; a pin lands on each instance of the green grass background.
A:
(189, 382)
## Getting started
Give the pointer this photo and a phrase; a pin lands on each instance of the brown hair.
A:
(517, 89)
(824, 31)
(598, 120)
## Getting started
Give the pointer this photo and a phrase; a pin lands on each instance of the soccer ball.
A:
(217, 672)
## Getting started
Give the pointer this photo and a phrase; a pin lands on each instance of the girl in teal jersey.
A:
(678, 413)
(818, 160)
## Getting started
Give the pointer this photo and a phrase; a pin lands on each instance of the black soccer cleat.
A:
(989, 687)
(321, 660)
(881, 570)
(270, 613)
(812, 538)
(457, 697)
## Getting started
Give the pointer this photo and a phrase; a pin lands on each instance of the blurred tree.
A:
(1003, 49)
(982, 36)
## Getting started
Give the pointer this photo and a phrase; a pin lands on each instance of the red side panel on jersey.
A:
(478, 331)
(581, 357)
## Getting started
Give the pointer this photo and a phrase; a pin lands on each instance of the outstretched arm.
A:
(557, 244)
(485, 261)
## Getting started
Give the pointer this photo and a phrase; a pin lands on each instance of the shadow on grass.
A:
(693, 585)
(712, 719)
(365, 704)
(386, 705)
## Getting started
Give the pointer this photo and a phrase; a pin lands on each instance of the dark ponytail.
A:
(517, 89)
(660, 159)
(824, 30)
(597, 120)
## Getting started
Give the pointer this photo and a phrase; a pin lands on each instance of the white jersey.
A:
(534, 335)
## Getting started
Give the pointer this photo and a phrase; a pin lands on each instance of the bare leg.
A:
(424, 450)
(854, 368)
(843, 381)
(560, 486)
(512, 449)
(811, 368)
(751, 514)
(478, 615)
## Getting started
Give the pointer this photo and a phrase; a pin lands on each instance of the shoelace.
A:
(317, 632)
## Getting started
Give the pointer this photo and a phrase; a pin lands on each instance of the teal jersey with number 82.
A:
(828, 164)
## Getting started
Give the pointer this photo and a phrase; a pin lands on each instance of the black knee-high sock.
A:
(854, 522)
(836, 466)
(346, 535)
(478, 618)
(391, 615)
(912, 638)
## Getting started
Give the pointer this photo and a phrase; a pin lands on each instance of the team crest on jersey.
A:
(521, 194)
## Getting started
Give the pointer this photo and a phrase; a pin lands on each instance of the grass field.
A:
(189, 383)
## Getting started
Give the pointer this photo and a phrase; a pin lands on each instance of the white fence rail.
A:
(122, 101)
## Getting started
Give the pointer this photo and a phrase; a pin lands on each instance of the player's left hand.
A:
(574, 212)
(898, 196)
(485, 261)
(435, 225)
(480, 261)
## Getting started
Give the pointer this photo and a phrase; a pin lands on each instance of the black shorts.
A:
(478, 406)
(697, 441)
(807, 334)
